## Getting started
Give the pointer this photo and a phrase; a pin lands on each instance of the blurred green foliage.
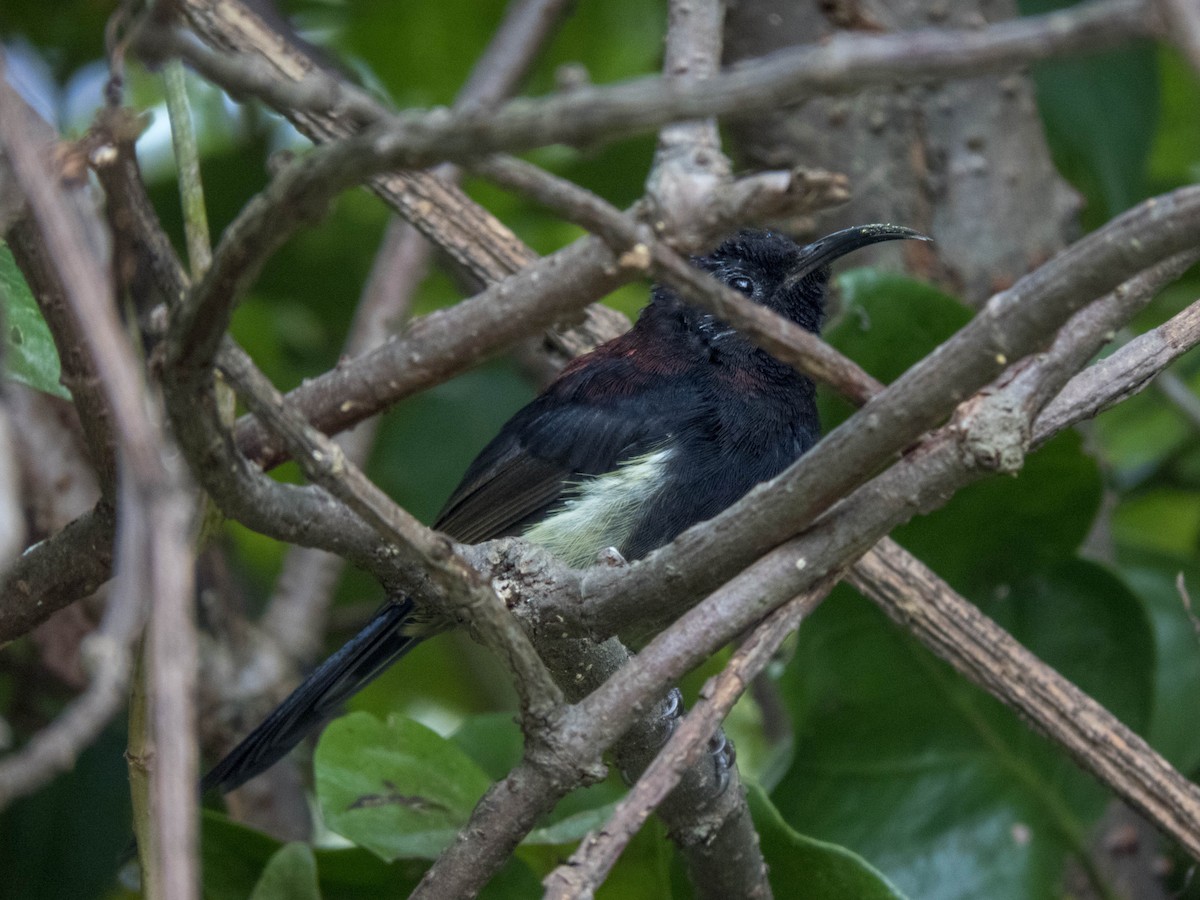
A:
(899, 778)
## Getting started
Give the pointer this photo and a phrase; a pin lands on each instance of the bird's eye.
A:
(743, 284)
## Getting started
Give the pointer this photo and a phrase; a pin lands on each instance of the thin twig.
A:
(637, 245)
(1121, 374)
(187, 161)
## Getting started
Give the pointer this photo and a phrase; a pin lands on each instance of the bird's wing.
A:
(593, 418)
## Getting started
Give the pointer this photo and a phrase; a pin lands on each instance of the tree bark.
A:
(964, 161)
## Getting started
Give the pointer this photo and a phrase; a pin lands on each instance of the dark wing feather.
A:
(514, 487)
(604, 409)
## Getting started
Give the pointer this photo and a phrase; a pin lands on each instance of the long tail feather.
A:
(385, 639)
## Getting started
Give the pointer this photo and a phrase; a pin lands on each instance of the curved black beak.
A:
(822, 252)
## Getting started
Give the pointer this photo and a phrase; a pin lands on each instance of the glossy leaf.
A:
(396, 787)
(291, 874)
(235, 858)
(816, 870)
(1100, 113)
(998, 530)
(886, 324)
(942, 788)
(1155, 577)
(30, 356)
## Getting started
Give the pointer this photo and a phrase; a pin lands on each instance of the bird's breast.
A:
(602, 511)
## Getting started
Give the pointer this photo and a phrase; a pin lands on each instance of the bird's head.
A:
(782, 275)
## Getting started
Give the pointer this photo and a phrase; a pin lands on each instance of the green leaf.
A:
(815, 870)
(395, 788)
(291, 874)
(888, 323)
(995, 531)
(998, 530)
(493, 741)
(944, 789)
(1161, 519)
(235, 858)
(1100, 112)
(1153, 576)
(30, 356)
(1175, 159)
(569, 829)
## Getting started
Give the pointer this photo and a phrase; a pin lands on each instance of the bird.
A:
(630, 445)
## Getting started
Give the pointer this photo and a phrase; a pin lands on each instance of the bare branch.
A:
(1119, 376)
(688, 162)
(56, 572)
(295, 615)
(782, 338)
(296, 611)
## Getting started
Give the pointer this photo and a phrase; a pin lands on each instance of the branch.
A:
(636, 245)
(1120, 375)
(688, 162)
(56, 572)
(470, 235)
(922, 480)
(296, 612)
(42, 274)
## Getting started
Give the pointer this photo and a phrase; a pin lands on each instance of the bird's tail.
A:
(388, 636)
